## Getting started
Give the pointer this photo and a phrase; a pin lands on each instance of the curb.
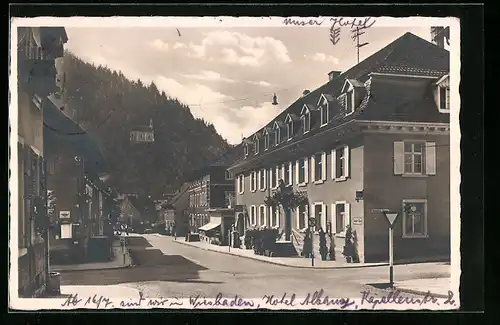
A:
(281, 264)
(419, 292)
(92, 269)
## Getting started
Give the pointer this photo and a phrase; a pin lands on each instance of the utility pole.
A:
(356, 33)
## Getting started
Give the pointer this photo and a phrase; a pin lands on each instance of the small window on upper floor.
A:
(324, 109)
(266, 139)
(442, 94)
(305, 117)
(444, 98)
(245, 149)
(228, 175)
(349, 102)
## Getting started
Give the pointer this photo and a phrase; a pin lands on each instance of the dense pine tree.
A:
(109, 106)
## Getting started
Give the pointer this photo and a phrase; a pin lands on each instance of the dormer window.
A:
(277, 132)
(305, 118)
(349, 102)
(442, 94)
(289, 127)
(266, 139)
(349, 89)
(245, 149)
(324, 109)
(257, 144)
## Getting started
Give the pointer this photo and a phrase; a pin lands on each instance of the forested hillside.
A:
(109, 106)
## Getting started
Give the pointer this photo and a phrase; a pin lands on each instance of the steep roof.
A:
(407, 55)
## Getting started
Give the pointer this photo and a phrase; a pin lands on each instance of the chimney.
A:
(333, 74)
(439, 35)
(305, 92)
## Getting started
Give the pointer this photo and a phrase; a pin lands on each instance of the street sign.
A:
(64, 214)
(312, 222)
(380, 210)
(391, 217)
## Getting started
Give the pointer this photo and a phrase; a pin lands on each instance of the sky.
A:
(228, 76)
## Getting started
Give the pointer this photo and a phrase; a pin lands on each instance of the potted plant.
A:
(323, 250)
(349, 251)
(331, 251)
(307, 247)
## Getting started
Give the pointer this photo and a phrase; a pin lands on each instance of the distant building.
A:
(211, 187)
(137, 210)
(376, 136)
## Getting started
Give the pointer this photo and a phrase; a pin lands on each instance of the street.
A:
(168, 269)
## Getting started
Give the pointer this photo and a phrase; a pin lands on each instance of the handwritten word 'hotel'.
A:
(373, 137)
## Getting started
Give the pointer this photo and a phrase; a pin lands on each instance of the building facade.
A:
(38, 48)
(211, 187)
(373, 137)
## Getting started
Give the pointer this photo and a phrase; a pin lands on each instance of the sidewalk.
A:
(296, 262)
(437, 286)
(116, 263)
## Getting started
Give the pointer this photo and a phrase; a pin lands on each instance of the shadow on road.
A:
(149, 265)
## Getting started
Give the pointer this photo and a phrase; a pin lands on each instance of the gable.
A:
(305, 109)
(444, 81)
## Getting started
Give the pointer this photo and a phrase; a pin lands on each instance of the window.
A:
(245, 149)
(286, 174)
(306, 122)
(266, 141)
(274, 211)
(262, 179)
(340, 218)
(415, 218)
(318, 167)
(241, 184)
(262, 215)
(301, 217)
(444, 98)
(324, 114)
(289, 127)
(228, 175)
(253, 215)
(273, 175)
(302, 171)
(257, 144)
(349, 102)
(277, 136)
(340, 163)
(414, 157)
(253, 181)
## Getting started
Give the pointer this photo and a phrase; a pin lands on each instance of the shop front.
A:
(217, 230)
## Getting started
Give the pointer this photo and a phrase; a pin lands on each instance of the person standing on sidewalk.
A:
(174, 230)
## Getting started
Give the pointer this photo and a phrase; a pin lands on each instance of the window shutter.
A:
(277, 175)
(297, 217)
(347, 214)
(259, 181)
(290, 173)
(306, 170)
(242, 183)
(430, 158)
(297, 171)
(265, 217)
(313, 169)
(323, 166)
(278, 216)
(325, 215)
(283, 172)
(334, 219)
(334, 170)
(254, 181)
(347, 161)
(399, 148)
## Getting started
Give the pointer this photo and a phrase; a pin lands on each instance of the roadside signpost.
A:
(391, 218)
(312, 223)
(122, 242)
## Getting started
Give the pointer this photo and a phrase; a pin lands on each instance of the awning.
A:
(209, 226)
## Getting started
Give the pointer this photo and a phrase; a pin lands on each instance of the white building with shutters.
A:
(373, 137)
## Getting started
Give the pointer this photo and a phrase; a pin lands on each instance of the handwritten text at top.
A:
(365, 22)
